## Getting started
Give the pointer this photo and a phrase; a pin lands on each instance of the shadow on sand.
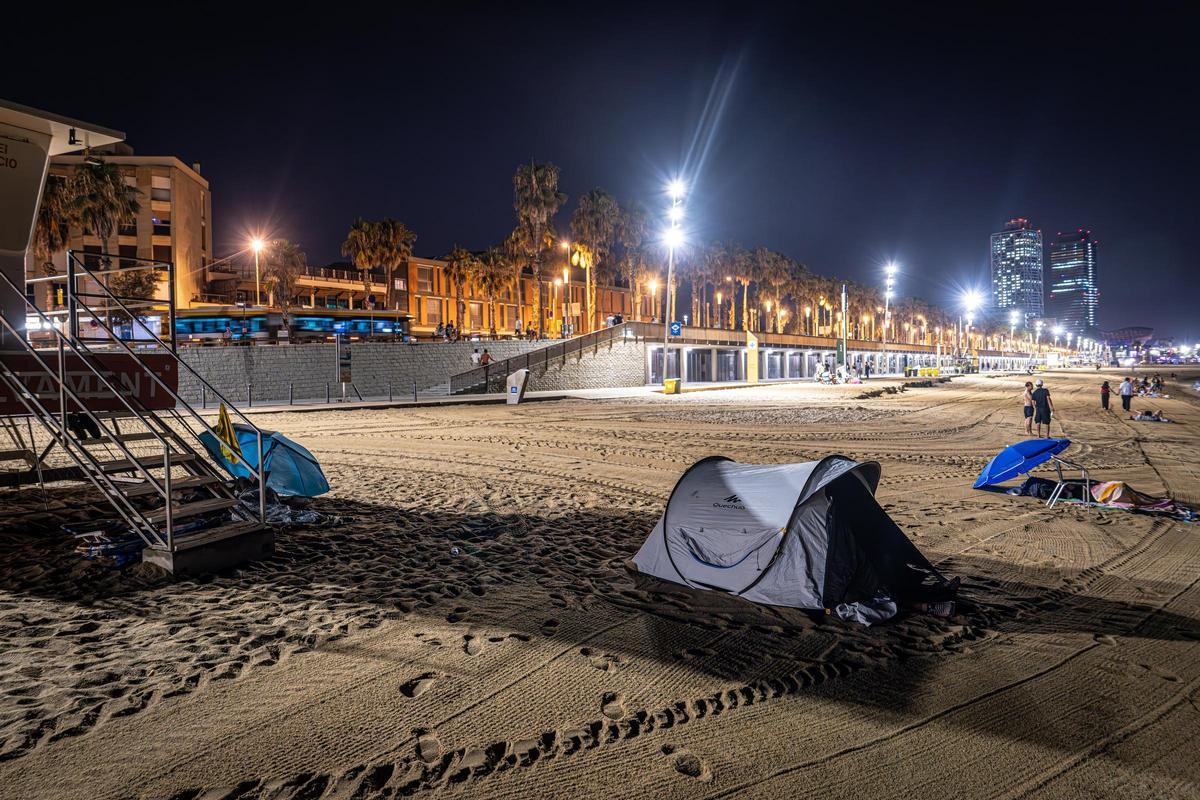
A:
(381, 563)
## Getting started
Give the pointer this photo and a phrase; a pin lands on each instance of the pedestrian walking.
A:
(1126, 392)
(1104, 391)
(1027, 403)
(475, 357)
(1043, 409)
(485, 359)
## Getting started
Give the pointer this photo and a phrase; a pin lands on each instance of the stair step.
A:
(149, 462)
(209, 535)
(192, 509)
(178, 484)
(140, 436)
(18, 455)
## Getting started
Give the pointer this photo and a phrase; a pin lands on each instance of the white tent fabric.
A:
(759, 531)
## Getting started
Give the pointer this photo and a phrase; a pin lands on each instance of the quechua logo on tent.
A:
(733, 502)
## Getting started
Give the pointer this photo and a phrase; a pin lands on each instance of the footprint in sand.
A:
(418, 685)
(613, 705)
(693, 766)
(429, 748)
(472, 644)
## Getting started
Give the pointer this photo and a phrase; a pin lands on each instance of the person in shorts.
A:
(1043, 409)
(1027, 400)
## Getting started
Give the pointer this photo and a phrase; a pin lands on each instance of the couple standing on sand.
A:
(1039, 408)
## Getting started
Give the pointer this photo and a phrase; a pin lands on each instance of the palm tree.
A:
(492, 275)
(51, 233)
(362, 248)
(100, 200)
(632, 231)
(461, 266)
(536, 200)
(741, 268)
(393, 247)
(285, 263)
(594, 227)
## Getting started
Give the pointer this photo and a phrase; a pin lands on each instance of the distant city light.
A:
(676, 189)
(1013, 316)
(673, 238)
(676, 213)
(256, 245)
(971, 300)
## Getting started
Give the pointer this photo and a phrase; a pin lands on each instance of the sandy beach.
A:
(466, 625)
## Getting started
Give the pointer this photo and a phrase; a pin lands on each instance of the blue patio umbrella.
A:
(290, 468)
(1019, 458)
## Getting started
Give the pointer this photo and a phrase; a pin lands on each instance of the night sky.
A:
(841, 137)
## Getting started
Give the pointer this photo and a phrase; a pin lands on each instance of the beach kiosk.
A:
(78, 402)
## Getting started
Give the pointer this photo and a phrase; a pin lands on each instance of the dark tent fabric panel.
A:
(868, 554)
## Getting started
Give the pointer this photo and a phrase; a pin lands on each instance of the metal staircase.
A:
(145, 458)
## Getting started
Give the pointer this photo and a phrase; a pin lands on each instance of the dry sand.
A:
(368, 660)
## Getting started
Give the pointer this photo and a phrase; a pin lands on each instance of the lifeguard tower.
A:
(82, 400)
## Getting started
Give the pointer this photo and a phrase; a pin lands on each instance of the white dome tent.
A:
(807, 535)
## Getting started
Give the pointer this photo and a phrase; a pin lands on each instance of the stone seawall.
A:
(375, 364)
(306, 368)
(270, 372)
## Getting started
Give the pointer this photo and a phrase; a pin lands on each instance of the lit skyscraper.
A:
(1073, 292)
(1017, 269)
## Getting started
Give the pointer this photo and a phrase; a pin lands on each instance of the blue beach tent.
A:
(1019, 458)
(291, 469)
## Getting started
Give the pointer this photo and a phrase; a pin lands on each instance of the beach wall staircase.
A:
(491, 377)
(111, 407)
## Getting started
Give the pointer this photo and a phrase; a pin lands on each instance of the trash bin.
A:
(671, 386)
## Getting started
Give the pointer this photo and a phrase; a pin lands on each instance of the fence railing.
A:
(480, 378)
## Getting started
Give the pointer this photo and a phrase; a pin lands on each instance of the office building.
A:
(1016, 259)
(1074, 296)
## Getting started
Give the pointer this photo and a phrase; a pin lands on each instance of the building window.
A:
(433, 310)
(162, 252)
(424, 279)
(476, 315)
(162, 224)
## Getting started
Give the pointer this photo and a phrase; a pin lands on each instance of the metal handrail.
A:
(259, 473)
(64, 389)
(161, 435)
(59, 432)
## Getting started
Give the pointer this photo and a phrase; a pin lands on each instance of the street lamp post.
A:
(256, 245)
(971, 301)
(673, 237)
(566, 297)
(557, 291)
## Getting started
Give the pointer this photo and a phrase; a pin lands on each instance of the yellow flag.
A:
(227, 436)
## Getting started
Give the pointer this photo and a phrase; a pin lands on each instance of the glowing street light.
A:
(257, 244)
(673, 238)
